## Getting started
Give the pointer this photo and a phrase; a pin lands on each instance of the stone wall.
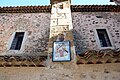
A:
(110, 71)
(37, 26)
(85, 23)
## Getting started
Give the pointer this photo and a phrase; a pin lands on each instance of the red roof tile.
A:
(74, 8)
(99, 57)
(22, 61)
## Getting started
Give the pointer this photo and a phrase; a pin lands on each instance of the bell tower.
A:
(61, 25)
(116, 1)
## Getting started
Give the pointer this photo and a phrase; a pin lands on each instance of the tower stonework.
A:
(116, 1)
(61, 25)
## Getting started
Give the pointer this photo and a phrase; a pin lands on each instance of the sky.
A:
(47, 2)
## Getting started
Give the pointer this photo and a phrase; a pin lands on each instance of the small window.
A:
(103, 38)
(111, 0)
(99, 16)
(61, 6)
(17, 41)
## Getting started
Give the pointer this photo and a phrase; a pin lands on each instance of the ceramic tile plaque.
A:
(61, 51)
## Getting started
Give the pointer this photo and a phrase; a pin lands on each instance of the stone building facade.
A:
(96, 32)
(37, 36)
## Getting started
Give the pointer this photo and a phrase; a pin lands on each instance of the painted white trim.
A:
(10, 40)
(22, 45)
(98, 41)
(23, 42)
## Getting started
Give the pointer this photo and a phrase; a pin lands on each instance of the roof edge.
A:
(47, 9)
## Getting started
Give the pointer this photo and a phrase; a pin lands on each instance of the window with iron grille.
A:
(103, 38)
(17, 41)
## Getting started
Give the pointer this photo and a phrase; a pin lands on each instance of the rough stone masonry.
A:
(38, 26)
